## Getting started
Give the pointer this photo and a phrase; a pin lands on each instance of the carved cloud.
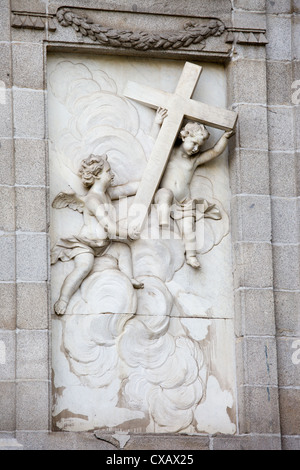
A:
(100, 121)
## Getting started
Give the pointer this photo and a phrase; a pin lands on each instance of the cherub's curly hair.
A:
(90, 168)
(192, 128)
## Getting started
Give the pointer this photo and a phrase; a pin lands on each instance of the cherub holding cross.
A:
(170, 169)
(174, 190)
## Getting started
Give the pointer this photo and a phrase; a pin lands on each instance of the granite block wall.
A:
(264, 88)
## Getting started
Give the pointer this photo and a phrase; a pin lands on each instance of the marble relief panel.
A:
(145, 342)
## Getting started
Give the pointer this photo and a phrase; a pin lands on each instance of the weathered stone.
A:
(290, 443)
(247, 81)
(247, 443)
(256, 312)
(289, 361)
(6, 162)
(165, 442)
(32, 354)
(258, 360)
(8, 306)
(214, 8)
(7, 355)
(5, 112)
(32, 410)
(5, 58)
(296, 5)
(7, 255)
(279, 6)
(252, 5)
(34, 6)
(7, 406)
(31, 209)
(249, 172)
(10, 444)
(43, 440)
(28, 35)
(283, 174)
(5, 20)
(29, 114)
(253, 265)
(285, 221)
(253, 127)
(296, 124)
(261, 410)
(279, 75)
(286, 264)
(247, 19)
(251, 218)
(7, 208)
(289, 403)
(279, 36)
(287, 313)
(32, 257)
(295, 37)
(28, 71)
(32, 304)
(280, 123)
(30, 158)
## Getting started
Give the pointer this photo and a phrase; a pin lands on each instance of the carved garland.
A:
(192, 34)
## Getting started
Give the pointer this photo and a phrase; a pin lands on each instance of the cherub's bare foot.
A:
(136, 284)
(60, 307)
(192, 261)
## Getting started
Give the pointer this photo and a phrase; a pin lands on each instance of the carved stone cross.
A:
(179, 106)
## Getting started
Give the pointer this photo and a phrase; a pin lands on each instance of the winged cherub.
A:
(98, 232)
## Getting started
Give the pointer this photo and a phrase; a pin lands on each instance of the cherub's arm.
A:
(113, 229)
(215, 151)
(128, 189)
(161, 114)
(101, 212)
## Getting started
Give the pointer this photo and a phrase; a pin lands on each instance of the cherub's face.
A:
(107, 175)
(192, 143)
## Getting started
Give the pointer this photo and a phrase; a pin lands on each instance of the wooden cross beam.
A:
(179, 106)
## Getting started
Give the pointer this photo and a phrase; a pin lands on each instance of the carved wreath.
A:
(192, 34)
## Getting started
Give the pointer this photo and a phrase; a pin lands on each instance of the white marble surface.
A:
(143, 373)
(162, 358)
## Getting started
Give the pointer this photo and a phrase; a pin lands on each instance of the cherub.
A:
(99, 233)
(175, 184)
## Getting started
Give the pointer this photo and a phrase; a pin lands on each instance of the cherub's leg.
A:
(189, 237)
(163, 199)
(122, 253)
(83, 266)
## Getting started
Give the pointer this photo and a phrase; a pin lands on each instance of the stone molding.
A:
(37, 21)
(253, 37)
(193, 33)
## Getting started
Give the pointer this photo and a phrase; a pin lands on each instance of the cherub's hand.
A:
(228, 134)
(134, 233)
(161, 114)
